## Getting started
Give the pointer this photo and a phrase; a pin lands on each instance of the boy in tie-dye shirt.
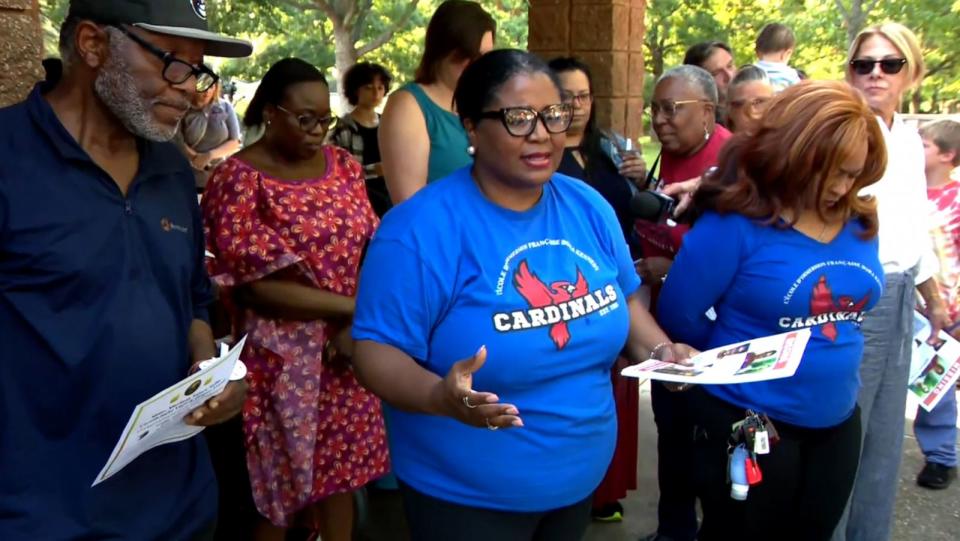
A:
(936, 430)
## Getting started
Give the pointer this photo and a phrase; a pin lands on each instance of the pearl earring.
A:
(706, 134)
(472, 150)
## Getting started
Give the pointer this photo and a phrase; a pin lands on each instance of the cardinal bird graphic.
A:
(821, 302)
(539, 295)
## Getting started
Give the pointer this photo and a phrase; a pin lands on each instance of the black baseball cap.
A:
(181, 18)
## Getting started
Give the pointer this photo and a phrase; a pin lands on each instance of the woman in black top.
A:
(585, 156)
(365, 85)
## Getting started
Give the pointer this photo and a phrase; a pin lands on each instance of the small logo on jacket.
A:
(554, 305)
(169, 226)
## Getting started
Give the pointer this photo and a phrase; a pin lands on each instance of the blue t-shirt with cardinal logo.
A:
(546, 291)
(763, 280)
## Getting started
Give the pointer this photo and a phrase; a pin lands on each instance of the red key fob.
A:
(754, 475)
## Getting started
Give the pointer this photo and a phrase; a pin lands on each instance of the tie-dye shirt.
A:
(945, 231)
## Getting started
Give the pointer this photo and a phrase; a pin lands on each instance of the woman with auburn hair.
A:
(883, 63)
(799, 251)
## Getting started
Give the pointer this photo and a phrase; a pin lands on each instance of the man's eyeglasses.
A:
(522, 121)
(890, 66)
(755, 103)
(176, 71)
(669, 108)
(578, 99)
(309, 122)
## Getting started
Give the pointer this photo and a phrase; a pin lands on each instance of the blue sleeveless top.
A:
(448, 140)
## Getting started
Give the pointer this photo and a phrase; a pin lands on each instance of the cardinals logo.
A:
(554, 305)
(200, 8)
(826, 312)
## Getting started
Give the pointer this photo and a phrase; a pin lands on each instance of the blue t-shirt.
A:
(545, 290)
(764, 280)
(97, 294)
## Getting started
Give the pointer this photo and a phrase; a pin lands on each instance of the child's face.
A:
(933, 157)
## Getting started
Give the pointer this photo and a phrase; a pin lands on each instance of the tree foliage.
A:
(306, 29)
(823, 28)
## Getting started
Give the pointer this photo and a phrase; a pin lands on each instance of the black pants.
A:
(807, 477)
(432, 519)
(676, 508)
(237, 513)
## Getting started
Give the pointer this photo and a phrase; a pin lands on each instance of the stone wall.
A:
(608, 36)
(21, 48)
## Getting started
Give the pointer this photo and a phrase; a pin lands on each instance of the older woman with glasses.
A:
(287, 220)
(493, 305)
(682, 113)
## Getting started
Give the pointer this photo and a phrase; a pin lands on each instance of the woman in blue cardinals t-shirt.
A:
(785, 242)
(492, 307)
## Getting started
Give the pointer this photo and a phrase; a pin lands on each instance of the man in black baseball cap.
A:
(103, 289)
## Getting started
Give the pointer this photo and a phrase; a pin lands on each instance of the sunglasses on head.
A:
(890, 66)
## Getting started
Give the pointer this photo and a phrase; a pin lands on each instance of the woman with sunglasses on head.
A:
(287, 220)
(209, 133)
(885, 61)
(492, 307)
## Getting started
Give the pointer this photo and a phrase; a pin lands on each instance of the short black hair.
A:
(698, 54)
(281, 76)
(479, 83)
(456, 27)
(361, 74)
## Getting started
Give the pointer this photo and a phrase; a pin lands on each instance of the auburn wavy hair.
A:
(807, 133)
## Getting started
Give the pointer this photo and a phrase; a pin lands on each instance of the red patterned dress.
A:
(310, 429)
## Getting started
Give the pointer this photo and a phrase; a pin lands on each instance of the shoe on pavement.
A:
(936, 476)
(611, 512)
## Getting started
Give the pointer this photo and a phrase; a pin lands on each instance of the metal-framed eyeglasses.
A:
(522, 121)
(308, 122)
(669, 108)
(175, 70)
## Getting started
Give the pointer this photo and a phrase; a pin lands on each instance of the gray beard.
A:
(119, 91)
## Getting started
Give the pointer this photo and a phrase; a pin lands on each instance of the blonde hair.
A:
(902, 38)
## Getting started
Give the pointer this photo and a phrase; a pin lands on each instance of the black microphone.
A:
(651, 206)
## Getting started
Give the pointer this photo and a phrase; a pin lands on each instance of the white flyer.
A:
(934, 369)
(159, 420)
(760, 359)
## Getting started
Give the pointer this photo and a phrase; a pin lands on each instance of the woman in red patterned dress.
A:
(287, 220)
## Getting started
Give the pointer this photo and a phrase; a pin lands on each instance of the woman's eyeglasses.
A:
(669, 108)
(176, 71)
(890, 66)
(577, 99)
(522, 121)
(309, 122)
(755, 103)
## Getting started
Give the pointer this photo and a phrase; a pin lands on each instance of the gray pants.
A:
(887, 332)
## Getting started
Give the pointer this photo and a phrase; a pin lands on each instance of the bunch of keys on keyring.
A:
(748, 438)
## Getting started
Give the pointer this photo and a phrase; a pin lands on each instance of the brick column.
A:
(21, 48)
(608, 36)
